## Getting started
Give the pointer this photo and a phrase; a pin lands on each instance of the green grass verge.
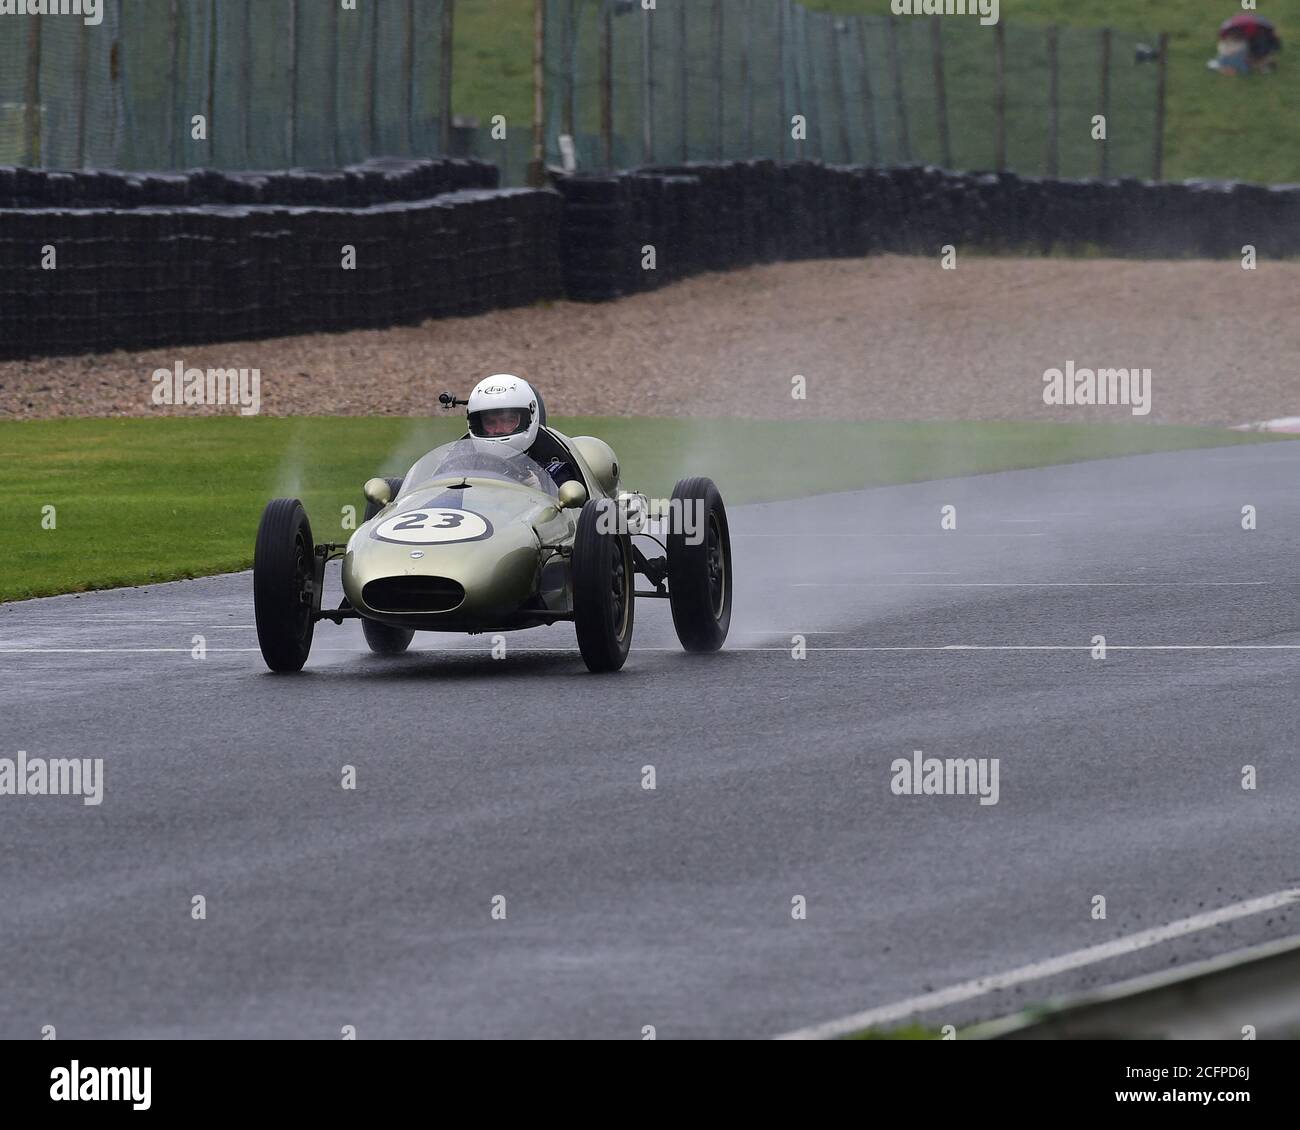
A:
(140, 501)
(1217, 127)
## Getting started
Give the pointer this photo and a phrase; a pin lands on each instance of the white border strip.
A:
(1288, 425)
(1078, 959)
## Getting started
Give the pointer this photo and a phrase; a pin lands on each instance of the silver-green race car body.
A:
(473, 542)
(477, 537)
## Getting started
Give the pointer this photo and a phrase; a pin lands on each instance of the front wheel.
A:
(284, 585)
(603, 587)
(384, 639)
(699, 566)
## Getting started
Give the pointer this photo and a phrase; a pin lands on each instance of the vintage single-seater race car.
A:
(477, 537)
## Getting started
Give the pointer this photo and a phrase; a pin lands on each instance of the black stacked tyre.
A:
(699, 574)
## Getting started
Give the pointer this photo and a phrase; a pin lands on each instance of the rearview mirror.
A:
(572, 495)
(378, 491)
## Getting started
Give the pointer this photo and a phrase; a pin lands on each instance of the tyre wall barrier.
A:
(141, 277)
(383, 180)
(152, 270)
(716, 217)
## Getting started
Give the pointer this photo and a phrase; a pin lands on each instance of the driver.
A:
(504, 410)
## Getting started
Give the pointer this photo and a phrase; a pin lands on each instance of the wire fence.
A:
(249, 84)
(734, 79)
(277, 83)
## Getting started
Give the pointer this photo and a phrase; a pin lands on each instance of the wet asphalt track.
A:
(625, 907)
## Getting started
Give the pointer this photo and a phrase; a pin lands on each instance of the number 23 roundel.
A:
(433, 526)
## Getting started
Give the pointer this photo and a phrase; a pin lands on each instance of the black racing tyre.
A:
(284, 580)
(604, 583)
(699, 576)
(383, 639)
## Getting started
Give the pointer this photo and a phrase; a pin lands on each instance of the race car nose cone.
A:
(494, 572)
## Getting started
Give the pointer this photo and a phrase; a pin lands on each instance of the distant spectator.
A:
(1247, 43)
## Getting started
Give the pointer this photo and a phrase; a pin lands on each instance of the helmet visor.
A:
(497, 423)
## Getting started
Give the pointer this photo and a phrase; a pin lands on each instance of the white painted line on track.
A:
(119, 650)
(1032, 584)
(468, 650)
(1077, 959)
(129, 619)
(1111, 647)
(785, 632)
(953, 534)
(93, 626)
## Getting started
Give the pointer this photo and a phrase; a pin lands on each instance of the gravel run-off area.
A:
(886, 337)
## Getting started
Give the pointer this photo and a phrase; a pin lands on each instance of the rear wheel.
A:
(603, 587)
(383, 639)
(699, 575)
(284, 584)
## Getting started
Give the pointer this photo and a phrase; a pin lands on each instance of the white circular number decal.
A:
(434, 526)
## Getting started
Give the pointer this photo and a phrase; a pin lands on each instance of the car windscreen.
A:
(481, 459)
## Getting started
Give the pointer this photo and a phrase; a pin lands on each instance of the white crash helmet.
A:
(490, 406)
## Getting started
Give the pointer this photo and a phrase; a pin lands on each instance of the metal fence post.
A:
(607, 83)
(781, 105)
(799, 107)
(567, 36)
(1105, 99)
(814, 103)
(291, 121)
(83, 67)
(837, 89)
(747, 77)
(900, 103)
(940, 92)
(1053, 104)
(537, 167)
(212, 82)
(32, 96)
(332, 81)
(246, 81)
(117, 143)
(408, 75)
(868, 101)
(1000, 97)
(717, 80)
(173, 80)
(648, 90)
(372, 84)
(1162, 79)
(446, 48)
(683, 83)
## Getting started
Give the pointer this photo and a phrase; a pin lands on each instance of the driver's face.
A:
(502, 421)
